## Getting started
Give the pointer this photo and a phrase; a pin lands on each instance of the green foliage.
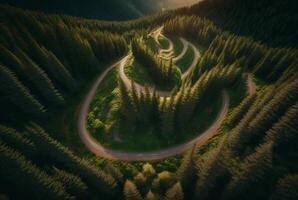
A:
(286, 188)
(202, 29)
(18, 142)
(61, 156)
(163, 181)
(254, 177)
(115, 172)
(26, 178)
(284, 135)
(18, 94)
(72, 184)
(175, 193)
(40, 80)
(240, 110)
(163, 74)
(148, 171)
(150, 196)
(45, 59)
(131, 192)
(186, 173)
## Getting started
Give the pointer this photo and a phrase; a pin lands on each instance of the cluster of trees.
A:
(250, 163)
(269, 21)
(111, 10)
(172, 113)
(47, 169)
(44, 61)
(257, 153)
(124, 28)
(164, 73)
(152, 185)
(202, 30)
(226, 48)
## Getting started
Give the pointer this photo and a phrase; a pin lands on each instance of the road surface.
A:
(161, 93)
(95, 147)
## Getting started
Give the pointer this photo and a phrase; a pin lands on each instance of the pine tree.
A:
(175, 193)
(186, 172)
(115, 172)
(167, 118)
(131, 192)
(72, 184)
(127, 107)
(18, 94)
(18, 142)
(148, 171)
(26, 178)
(286, 189)
(255, 177)
(150, 196)
(240, 110)
(283, 134)
(60, 155)
(40, 80)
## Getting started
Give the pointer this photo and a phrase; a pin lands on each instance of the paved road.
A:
(95, 147)
(161, 93)
(138, 87)
(184, 50)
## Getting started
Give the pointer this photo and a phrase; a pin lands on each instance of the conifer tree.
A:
(72, 184)
(150, 196)
(18, 94)
(26, 178)
(186, 172)
(18, 142)
(131, 192)
(175, 193)
(240, 110)
(40, 80)
(60, 155)
(286, 189)
(255, 177)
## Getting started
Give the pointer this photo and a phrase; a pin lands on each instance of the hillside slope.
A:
(48, 62)
(109, 10)
(271, 21)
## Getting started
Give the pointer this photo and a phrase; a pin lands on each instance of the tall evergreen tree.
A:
(131, 192)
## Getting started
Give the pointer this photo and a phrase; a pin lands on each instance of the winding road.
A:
(161, 93)
(96, 148)
(139, 88)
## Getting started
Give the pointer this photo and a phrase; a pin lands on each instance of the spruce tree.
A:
(18, 94)
(175, 193)
(29, 181)
(131, 192)
(286, 189)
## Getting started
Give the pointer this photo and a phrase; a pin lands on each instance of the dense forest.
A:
(102, 9)
(49, 62)
(107, 10)
(270, 21)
